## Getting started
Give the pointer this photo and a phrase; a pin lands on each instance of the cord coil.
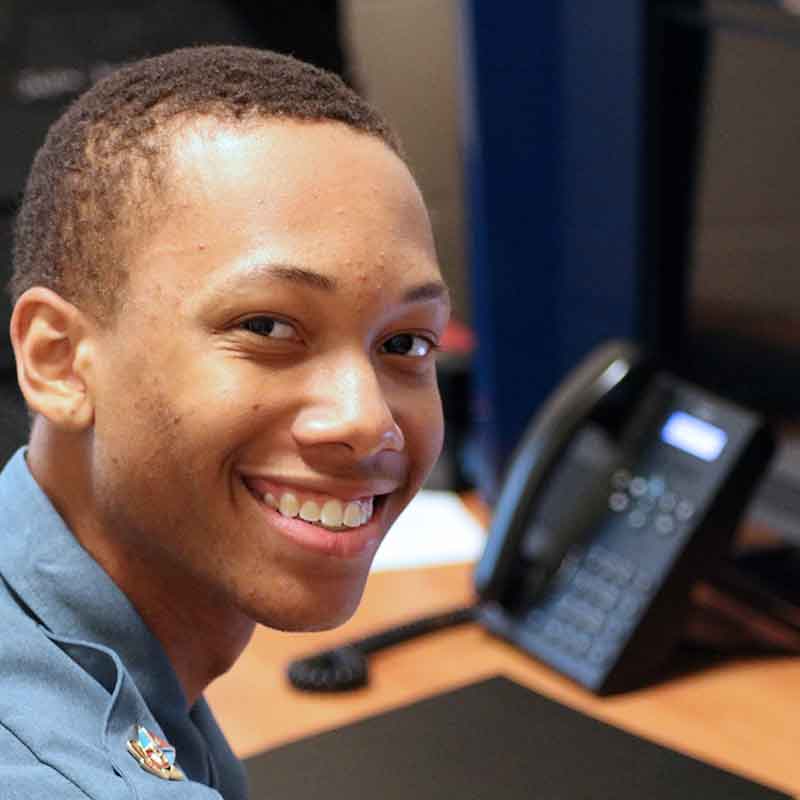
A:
(345, 668)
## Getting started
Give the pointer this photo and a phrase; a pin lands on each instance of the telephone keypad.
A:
(593, 605)
(648, 503)
(580, 614)
(609, 566)
(605, 597)
(600, 592)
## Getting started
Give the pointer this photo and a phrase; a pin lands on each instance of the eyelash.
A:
(431, 344)
(252, 324)
(255, 326)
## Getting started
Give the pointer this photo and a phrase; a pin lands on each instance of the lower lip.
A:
(349, 543)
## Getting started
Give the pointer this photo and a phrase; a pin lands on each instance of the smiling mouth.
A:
(329, 513)
(333, 515)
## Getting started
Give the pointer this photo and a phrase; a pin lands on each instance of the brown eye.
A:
(269, 327)
(407, 344)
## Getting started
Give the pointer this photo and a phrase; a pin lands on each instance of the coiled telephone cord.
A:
(344, 668)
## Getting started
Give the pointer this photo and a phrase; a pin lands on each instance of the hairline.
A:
(105, 164)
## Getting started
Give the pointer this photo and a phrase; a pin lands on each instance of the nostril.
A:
(362, 436)
(394, 438)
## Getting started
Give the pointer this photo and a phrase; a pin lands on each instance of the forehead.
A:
(285, 191)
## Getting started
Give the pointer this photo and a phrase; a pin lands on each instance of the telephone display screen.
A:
(693, 435)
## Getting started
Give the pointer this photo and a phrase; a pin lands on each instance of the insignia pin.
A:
(154, 754)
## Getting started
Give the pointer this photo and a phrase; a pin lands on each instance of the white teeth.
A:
(288, 506)
(352, 515)
(331, 516)
(333, 513)
(309, 511)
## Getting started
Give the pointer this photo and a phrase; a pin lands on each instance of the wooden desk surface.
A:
(739, 714)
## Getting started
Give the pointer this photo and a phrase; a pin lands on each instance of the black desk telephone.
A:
(627, 485)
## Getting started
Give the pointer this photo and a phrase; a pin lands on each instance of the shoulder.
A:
(67, 710)
(24, 776)
(48, 713)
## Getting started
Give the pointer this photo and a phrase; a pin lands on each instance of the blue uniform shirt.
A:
(79, 669)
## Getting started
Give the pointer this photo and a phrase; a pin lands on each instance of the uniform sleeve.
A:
(25, 776)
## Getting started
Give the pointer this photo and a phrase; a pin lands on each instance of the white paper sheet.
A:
(434, 529)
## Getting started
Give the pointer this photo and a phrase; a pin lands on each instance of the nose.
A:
(348, 408)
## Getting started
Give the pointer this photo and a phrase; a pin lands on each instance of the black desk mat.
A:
(493, 739)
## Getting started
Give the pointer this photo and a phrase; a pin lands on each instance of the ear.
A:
(53, 352)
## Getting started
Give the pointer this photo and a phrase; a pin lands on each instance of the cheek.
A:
(423, 427)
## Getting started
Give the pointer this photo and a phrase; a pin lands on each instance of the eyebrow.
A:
(308, 277)
(430, 290)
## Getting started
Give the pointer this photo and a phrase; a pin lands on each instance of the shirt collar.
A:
(73, 597)
(70, 593)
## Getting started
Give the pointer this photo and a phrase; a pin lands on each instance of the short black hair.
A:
(89, 182)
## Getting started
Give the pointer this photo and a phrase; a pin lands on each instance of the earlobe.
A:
(53, 352)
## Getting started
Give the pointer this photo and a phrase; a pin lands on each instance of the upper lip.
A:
(339, 489)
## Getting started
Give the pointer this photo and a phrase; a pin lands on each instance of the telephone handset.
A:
(627, 485)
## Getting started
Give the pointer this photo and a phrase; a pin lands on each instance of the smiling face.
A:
(272, 360)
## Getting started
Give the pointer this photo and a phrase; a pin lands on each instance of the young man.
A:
(226, 305)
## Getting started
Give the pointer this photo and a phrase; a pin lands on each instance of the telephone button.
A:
(556, 631)
(638, 486)
(618, 501)
(606, 598)
(566, 638)
(684, 510)
(609, 565)
(581, 614)
(598, 593)
(578, 643)
(637, 518)
(587, 584)
(665, 524)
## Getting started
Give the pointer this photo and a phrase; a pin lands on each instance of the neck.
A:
(202, 635)
(202, 640)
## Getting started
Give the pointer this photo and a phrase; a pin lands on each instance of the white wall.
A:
(404, 54)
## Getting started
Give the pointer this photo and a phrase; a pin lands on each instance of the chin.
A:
(306, 611)
(302, 621)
